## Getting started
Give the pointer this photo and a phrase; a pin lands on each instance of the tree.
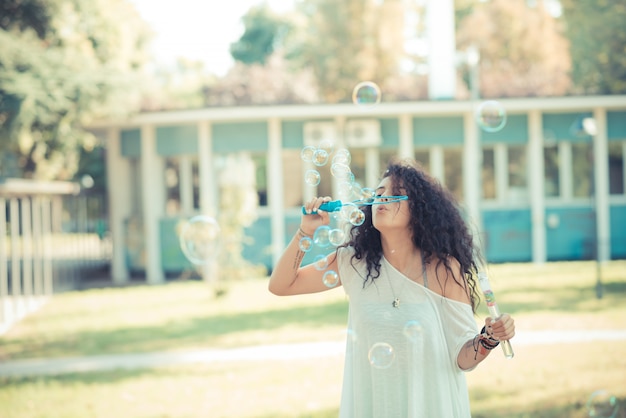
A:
(344, 42)
(263, 33)
(62, 64)
(522, 49)
(597, 33)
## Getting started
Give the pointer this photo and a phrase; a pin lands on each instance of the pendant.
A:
(396, 303)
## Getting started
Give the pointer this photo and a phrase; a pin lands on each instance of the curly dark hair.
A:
(439, 230)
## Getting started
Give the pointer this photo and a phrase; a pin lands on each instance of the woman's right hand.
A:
(314, 217)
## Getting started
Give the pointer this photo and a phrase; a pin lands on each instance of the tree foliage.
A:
(263, 33)
(522, 49)
(62, 64)
(344, 42)
(597, 33)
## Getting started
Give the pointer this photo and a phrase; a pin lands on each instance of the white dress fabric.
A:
(402, 362)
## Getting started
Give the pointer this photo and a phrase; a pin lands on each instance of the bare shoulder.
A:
(450, 283)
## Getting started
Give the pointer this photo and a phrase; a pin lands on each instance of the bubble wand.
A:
(494, 311)
(336, 205)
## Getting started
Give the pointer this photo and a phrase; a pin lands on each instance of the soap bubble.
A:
(321, 237)
(321, 262)
(337, 236)
(200, 239)
(491, 116)
(368, 194)
(413, 330)
(320, 157)
(307, 153)
(381, 355)
(312, 177)
(357, 217)
(327, 145)
(366, 93)
(342, 156)
(340, 171)
(602, 404)
(330, 278)
(305, 244)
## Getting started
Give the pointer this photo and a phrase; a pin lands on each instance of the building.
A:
(540, 189)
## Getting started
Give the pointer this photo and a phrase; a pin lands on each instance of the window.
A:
(172, 186)
(453, 171)
(617, 175)
(489, 174)
(423, 157)
(582, 169)
(518, 173)
(260, 167)
(551, 171)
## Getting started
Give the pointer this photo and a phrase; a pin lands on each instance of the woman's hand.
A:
(502, 329)
(311, 221)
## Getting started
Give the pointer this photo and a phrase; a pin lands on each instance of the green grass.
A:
(547, 380)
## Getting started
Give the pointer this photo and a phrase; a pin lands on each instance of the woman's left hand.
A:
(501, 329)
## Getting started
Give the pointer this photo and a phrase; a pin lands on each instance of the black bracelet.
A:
(486, 340)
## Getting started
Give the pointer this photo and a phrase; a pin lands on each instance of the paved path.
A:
(42, 367)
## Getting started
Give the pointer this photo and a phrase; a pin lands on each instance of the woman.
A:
(409, 271)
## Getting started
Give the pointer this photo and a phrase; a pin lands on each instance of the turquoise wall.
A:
(438, 131)
(617, 214)
(574, 237)
(507, 235)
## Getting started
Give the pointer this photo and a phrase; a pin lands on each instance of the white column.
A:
(600, 155)
(185, 184)
(501, 160)
(37, 249)
(472, 163)
(405, 148)
(442, 49)
(372, 167)
(275, 188)
(536, 179)
(120, 204)
(16, 271)
(208, 185)
(437, 164)
(151, 185)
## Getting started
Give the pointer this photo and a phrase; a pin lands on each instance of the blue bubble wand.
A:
(336, 205)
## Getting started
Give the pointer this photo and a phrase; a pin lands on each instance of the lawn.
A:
(543, 380)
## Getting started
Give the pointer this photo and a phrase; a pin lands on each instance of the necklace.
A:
(396, 299)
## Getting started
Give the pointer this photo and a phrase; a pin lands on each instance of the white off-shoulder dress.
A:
(401, 362)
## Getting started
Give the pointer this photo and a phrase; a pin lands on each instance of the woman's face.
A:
(393, 215)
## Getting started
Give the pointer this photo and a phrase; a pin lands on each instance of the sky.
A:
(199, 29)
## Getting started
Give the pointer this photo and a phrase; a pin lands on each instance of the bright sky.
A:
(199, 29)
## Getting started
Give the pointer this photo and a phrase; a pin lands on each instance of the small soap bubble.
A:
(344, 190)
(342, 156)
(357, 217)
(381, 355)
(307, 153)
(366, 93)
(305, 244)
(330, 278)
(346, 210)
(413, 330)
(320, 157)
(327, 145)
(312, 177)
(491, 116)
(368, 194)
(337, 236)
(200, 239)
(602, 404)
(340, 171)
(320, 262)
(321, 237)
